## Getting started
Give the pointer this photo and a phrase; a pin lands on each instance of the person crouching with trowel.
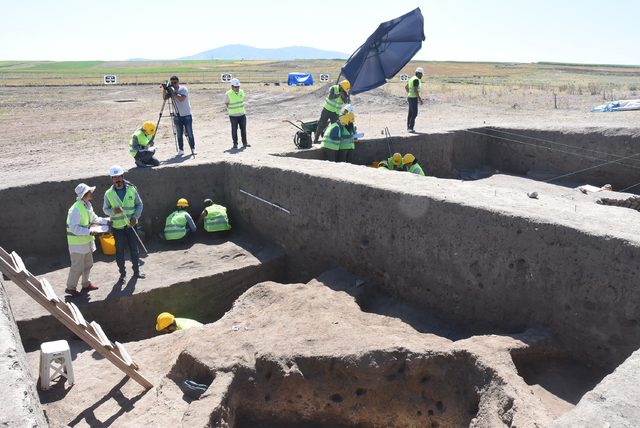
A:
(81, 239)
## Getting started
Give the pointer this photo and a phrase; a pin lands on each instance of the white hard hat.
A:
(115, 171)
(420, 70)
(235, 82)
(348, 108)
(82, 189)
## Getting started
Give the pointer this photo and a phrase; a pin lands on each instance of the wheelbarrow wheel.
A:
(302, 140)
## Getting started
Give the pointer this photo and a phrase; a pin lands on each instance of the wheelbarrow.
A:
(303, 138)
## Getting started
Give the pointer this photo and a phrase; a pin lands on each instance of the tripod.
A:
(173, 112)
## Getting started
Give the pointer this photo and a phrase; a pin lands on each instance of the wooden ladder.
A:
(69, 315)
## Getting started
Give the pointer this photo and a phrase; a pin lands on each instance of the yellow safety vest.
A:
(334, 105)
(416, 169)
(143, 140)
(236, 103)
(176, 225)
(216, 219)
(73, 239)
(412, 90)
(121, 220)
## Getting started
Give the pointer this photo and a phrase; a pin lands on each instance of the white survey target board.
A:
(110, 79)
(226, 77)
(324, 77)
(404, 78)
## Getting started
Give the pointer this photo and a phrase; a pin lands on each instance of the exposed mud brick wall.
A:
(33, 223)
(20, 406)
(471, 264)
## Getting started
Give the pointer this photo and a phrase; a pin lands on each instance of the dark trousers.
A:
(326, 117)
(147, 158)
(240, 121)
(344, 155)
(332, 155)
(413, 112)
(126, 238)
(184, 125)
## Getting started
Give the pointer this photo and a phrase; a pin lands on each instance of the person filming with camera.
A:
(182, 118)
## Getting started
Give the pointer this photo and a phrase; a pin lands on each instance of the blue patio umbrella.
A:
(385, 52)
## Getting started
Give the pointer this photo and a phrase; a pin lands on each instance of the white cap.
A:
(235, 82)
(82, 189)
(115, 171)
(420, 70)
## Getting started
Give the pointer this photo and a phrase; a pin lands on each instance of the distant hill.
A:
(251, 53)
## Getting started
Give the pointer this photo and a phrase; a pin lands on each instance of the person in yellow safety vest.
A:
(141, 145)
(179, 223)
(81, 239)
(234, 101)
(394, 163)
(411, 164)
(414, 95)
(123, 204)
(214, 217)
(338, 96)
(347, 145)
(337, 135)
(167, 323)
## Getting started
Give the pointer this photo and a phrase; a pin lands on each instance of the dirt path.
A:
(59, 133)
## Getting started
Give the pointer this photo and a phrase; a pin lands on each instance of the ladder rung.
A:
(102, 338)
(19, 264)
(48, 291)
(125, 356)
(77, 315)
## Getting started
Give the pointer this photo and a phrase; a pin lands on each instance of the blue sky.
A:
(584, 31)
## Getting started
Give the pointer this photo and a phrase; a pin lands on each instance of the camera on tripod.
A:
(166, 85)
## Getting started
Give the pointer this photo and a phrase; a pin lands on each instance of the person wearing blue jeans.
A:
(182, 119)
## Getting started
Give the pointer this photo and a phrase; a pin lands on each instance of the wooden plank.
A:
(63, 313)
(125, 355)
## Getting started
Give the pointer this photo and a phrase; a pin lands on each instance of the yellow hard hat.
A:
(397, 158)
(182, 202)
(164, 320)
(382, 164)
(345, 85)
(408, 158)
(149, 127)
(347, 118)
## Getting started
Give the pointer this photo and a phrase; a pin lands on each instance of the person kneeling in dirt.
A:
(410, 164)
(141, 145)
(347, 145)
(214, 217)
(167, 323)
(337, 136)
(179, 223)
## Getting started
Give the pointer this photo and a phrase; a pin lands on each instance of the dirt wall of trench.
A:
(540, 155)
(492, 271)
(464, 262)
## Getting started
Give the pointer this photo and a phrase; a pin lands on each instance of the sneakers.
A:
(194, 151)
(89, 287)
(72, 293)
(180, 153)
(410, 131)
(246, 145)
(139, 275)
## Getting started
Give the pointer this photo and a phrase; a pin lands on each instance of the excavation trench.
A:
(441, 247)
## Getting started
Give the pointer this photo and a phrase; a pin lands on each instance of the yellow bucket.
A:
(108, 244)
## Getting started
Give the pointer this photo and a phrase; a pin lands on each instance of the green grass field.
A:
(557, 77)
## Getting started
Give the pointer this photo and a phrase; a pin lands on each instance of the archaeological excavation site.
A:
(492, 292)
